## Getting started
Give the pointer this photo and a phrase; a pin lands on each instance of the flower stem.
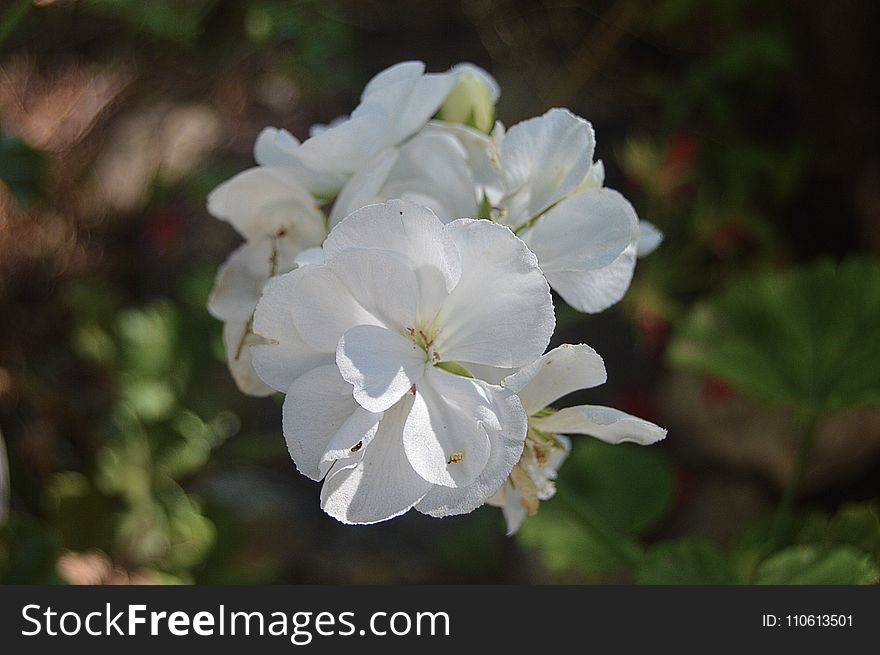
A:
(628, 553)
(785, 511)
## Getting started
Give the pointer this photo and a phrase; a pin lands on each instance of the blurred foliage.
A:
(685, 562)
(22, 169)
(28, 550)
(168, 19)
(814, 565)
(606, 497)
(146, 519)
(806, 338)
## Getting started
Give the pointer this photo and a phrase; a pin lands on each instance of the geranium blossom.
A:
(278, 219)
(541, 181)
(431, 169)
(394, 105)
(372, 348)
(558, 373)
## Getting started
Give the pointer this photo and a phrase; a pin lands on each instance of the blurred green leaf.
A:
(629, 486)
(685, 562)
(190, 533)
(148, 338)
(4, 482)
(804, 338)
(625, 490)
(815, 565)
(28, 553)
(854, 524)
(22, 169)
(167, 19)
(84, 517)
(564, 542)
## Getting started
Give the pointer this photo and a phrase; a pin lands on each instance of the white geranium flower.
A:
(394, 105)
(372, 348)
(430, 169)
(540, 179)
(279, 219)
(558, 373)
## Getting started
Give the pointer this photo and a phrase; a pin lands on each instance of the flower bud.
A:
(472, 100)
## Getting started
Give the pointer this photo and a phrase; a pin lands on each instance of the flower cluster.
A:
(394, 284)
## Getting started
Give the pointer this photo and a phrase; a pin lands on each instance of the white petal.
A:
(556, 374)
(379, 485)
(605, 423)
(543, 160)
(446, 434)
(490, 374)
(407, 102)
(513, 509)
(364, 187)
(238, 358)
(240, 282)
(278, 148)
(505, 444)
(263, 201)
(317, 128)
(586, 231)
(595, 177)
(381, 365)
(477, 146)
(322, 308)
(593, 291)
(432, 171)
(284, 355)
(399, 72)
(310, 257)
(322, 422)
(347, 147)
(279, 364)
(501, 311)
(382, 282)
(409, 230)
(649, 238)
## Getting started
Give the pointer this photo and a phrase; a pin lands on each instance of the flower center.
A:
(424, 338)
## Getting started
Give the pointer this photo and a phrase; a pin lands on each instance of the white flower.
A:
(540, 178)
(279, 219)
(394, 105)
(372, 348)
(558, 373)
(430, 169)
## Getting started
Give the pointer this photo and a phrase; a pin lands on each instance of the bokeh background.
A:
(746, 130)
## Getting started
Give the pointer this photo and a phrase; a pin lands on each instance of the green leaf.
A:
(28, 553)
(623, 490)
(455, 368)
(564, 542)
(182, 22)
(854, 524)
(843, 565)
(805, 338)
(22, 169)
(685, 562)
(629, 486)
